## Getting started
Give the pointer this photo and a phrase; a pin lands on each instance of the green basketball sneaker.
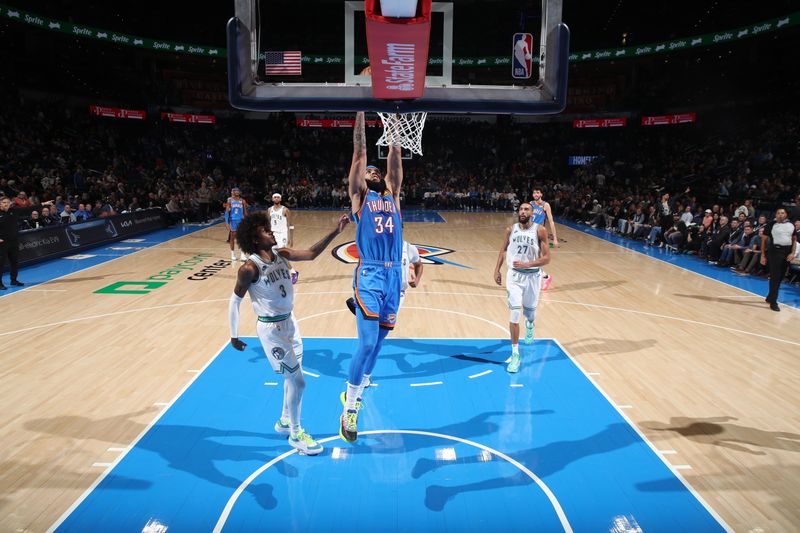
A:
(348, 425)
(513, 365)
(343, 399)
(305, 443)
(528, 332)
(282, 426)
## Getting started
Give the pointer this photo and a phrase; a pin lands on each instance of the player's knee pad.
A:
(514, 315)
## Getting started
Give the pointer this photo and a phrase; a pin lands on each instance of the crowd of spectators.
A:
(697, 188)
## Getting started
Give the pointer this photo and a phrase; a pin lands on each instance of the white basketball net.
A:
(403, 130)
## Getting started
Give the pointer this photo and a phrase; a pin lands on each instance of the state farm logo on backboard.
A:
(348, 253)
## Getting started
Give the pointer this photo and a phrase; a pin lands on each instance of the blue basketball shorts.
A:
(376, 288)
(234, 222)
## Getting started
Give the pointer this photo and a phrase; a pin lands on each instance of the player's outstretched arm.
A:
(356, 183)
(316, 249)
(244, 278)
(498, 278)
(394, 171)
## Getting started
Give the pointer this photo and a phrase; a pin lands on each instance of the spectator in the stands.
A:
(21, 201)
(67, 215)
(34, 221)
(82, 214)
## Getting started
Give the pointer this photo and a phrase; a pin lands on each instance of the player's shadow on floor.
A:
(461, 283)
(478, 426)
(601, 346)
(759, 301)
(196, 450)
(586, 285)
(718, 431)
(441, 359)
(543, 461)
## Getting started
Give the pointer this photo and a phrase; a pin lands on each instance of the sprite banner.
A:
(663, 47)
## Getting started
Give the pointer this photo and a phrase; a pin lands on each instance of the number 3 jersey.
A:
(273, 293)
(523, 245)
(379, 232)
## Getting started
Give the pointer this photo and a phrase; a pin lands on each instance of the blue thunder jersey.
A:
(237, 209)
(539, 216)
(379, 230)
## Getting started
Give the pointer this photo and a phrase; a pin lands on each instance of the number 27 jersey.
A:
(379, 233)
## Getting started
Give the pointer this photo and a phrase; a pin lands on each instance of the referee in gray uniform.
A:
(779, 242)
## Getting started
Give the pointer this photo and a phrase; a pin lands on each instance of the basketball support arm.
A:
(548, 98)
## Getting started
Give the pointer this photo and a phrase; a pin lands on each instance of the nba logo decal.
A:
(522, 56)
(278, 353)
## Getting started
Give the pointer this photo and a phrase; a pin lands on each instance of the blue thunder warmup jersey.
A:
(237, 209)
(539, 216)
(378, 276)
(379, 233)
(236, 214)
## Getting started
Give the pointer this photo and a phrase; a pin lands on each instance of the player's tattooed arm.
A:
(356, 180)
(316, 249)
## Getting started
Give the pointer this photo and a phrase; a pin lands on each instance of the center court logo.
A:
(430, 255)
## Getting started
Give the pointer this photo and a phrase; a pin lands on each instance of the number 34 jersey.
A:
(379, 233)
(273, 293)
(523, 245)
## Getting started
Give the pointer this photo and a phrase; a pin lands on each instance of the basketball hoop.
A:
(403, 130)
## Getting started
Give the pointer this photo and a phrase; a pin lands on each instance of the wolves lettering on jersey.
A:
(523, 244)
(237, 209)
(278, 219)
(539, 215)
(379, 233)
(273, 293)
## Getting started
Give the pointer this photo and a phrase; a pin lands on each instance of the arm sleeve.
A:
(413, 254)
(233, 314)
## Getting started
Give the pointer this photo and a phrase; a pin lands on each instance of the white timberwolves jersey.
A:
(410, 257)
(273, 293)
(278, 220)
(523, 245)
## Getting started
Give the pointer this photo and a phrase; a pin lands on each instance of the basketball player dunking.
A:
(235, 211)
(265, 277)
(526, 251)
(375, 204)
(282, 227)
(542, 213)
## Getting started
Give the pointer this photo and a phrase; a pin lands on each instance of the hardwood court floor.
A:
(704, 370)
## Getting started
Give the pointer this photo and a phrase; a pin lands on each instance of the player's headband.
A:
(372, 166)
(276, 195)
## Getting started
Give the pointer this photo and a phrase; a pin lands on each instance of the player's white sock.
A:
(294, 398)
(352, 396)
(365, 383)
(285, 411)
(515, 349)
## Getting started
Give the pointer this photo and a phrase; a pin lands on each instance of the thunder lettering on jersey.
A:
(379, 232)
(539, 216)
(237, 209)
